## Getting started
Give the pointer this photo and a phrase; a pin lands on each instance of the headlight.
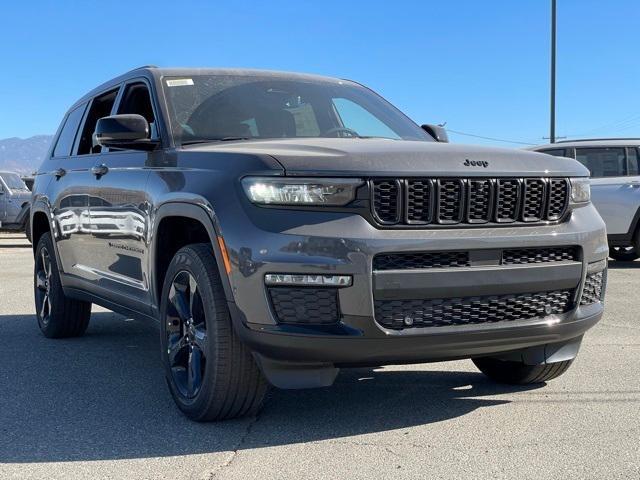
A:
(580, 190)
(300, 191)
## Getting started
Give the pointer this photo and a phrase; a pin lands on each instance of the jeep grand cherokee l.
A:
(283, 226)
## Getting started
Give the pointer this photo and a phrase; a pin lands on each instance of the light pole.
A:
(552, 123)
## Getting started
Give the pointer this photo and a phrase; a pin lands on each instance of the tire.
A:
(58, 315)
(211, 374)
(516, 373)
(27, 227)
(623, 254)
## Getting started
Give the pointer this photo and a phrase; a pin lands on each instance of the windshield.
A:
(234, 107)
(14, 182)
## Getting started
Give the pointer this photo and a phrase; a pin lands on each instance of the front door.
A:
(120, 209)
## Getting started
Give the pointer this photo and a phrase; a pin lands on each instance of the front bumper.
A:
(262, 241)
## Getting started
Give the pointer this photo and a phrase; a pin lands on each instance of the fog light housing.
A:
(301, 280)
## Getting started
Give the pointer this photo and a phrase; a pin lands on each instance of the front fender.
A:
(200, 211)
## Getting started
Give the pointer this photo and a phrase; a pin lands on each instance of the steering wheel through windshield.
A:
(340, 132)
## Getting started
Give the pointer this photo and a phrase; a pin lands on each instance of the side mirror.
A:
(437, 132)
(126, 131)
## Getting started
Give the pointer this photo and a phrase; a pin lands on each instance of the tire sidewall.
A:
(56, 295)
(187, 260)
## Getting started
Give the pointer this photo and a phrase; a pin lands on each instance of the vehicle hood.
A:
(383, 157)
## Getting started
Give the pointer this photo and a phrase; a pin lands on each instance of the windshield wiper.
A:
(209, 140)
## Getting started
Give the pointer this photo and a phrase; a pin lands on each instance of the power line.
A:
(489, 138)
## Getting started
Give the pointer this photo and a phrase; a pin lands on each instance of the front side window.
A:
(556, 152)
(231, 107)
(603, 162)
(100, 107)
(68, 133)
(136, 99)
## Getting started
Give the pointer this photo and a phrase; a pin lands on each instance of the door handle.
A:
(100, 170)
(60, 172)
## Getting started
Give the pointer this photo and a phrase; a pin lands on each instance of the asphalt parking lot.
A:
(97, 407)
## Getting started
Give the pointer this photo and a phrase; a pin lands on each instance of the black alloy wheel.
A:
(43, 287)
(186, 335)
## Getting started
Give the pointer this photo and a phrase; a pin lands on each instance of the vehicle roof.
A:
(590, 142)
(151, 71)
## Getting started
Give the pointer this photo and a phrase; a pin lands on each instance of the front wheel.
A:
(623, 254)
(211, 374)
(518, 373)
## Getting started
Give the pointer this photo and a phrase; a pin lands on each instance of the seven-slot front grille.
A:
(451, 201)
(445, 312)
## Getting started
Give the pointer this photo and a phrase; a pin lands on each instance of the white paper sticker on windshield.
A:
(179, 82)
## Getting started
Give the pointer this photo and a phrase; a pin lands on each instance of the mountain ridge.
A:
(23, 155)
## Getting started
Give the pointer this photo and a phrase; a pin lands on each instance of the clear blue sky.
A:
(481, 66)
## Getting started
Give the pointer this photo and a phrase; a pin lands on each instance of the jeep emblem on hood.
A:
(475, 163)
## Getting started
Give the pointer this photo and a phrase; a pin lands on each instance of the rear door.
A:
(615, 185)
(68, 198)
(119, 207)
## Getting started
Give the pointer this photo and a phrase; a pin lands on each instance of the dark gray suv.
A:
(283, 226)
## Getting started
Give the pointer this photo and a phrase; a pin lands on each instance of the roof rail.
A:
(143, 66)
(597, 139)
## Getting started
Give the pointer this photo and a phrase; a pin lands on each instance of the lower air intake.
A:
(305, 305)
(594, 288)
(447, 312)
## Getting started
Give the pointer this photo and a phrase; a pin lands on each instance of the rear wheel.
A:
(211, 374)
(58, 315)
(518, 373)
(27, 227)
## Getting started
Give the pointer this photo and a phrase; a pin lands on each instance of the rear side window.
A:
(100, 107)
(68, 133)
(558, 152)
(603, 162)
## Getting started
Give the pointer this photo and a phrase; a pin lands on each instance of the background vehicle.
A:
(615, 186)
(14, 202)
(283, 226)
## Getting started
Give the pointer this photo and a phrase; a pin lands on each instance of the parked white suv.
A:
(615, 186)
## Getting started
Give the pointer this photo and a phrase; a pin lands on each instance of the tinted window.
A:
(136, 99)
(222, 107)
(603, 162)
(633, 161)
(68, 133)
(100, 107)
(558, 152)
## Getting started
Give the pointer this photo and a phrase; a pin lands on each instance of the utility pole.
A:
(552, 123)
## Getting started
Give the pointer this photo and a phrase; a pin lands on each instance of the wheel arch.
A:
(39, 226)
(186, 215)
